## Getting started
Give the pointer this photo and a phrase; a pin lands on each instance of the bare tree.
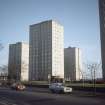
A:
(11, 72)
(93, 68)
(1, 46)
(4, 68)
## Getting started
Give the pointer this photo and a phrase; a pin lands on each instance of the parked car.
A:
(59, 88)
(18, 86)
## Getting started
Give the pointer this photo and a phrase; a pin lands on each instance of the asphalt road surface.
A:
(40, 96)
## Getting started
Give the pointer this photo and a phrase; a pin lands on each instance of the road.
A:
(40, 96)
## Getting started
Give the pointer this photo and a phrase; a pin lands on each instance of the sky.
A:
(80, 19)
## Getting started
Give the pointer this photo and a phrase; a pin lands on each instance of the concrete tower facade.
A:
(46, 54)
(102, 33)
(72, 64)
(18, 65)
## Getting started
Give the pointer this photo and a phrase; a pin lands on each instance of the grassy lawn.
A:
(85, 84)
(36, 82)
(67, 84)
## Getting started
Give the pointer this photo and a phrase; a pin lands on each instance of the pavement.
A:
(42, 96)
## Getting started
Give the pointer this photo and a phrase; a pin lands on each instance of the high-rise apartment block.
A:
(18, 66)
(46, 52)
(72, 64)
(102, 33)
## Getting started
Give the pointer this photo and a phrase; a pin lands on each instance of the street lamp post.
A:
(93, 69)
(49, 78)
